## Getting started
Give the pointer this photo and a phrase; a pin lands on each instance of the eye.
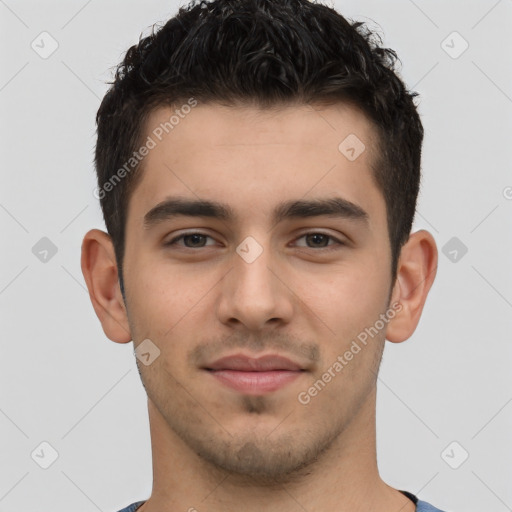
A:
(319, 240)
(196, 240)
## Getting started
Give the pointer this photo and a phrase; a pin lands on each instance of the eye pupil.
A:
(195, 238)
(316, 235)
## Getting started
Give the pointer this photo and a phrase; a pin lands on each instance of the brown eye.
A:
(191, 240)
(318, 240)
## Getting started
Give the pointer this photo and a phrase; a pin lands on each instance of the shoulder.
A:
(133, 507)
(423, 506)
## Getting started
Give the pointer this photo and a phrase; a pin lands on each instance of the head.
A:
(267, 54)
(255, 110)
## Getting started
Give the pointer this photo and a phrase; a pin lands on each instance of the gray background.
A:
(63, 382)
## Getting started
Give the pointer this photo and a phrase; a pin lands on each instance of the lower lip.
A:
(255, 383)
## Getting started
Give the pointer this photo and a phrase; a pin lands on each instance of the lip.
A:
(241, 362)
(255, 376)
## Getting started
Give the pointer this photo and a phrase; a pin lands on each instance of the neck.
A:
(344, 478)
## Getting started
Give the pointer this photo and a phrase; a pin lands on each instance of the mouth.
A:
(255, 376)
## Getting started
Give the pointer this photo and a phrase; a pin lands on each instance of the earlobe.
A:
(416, 272)
(99, 268)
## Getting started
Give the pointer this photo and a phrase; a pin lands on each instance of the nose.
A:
(255, 294)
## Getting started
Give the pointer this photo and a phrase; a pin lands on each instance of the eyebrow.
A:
(173, 207)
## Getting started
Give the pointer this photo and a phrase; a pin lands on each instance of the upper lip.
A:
(240, 362)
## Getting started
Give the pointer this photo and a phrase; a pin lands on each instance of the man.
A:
(258, 166)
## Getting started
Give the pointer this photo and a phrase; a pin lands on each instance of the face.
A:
(291, 261)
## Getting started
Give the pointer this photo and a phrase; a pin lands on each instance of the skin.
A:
(204, 301)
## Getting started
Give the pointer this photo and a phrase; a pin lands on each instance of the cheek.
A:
(163, 293)
(346, 297)
(169, 305)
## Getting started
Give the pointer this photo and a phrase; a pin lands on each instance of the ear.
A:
(416, 272)
(99, 268)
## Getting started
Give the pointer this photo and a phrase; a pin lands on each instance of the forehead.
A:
(253, 158)
(207, 125)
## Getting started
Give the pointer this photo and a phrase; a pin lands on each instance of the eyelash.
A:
(328, 248)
